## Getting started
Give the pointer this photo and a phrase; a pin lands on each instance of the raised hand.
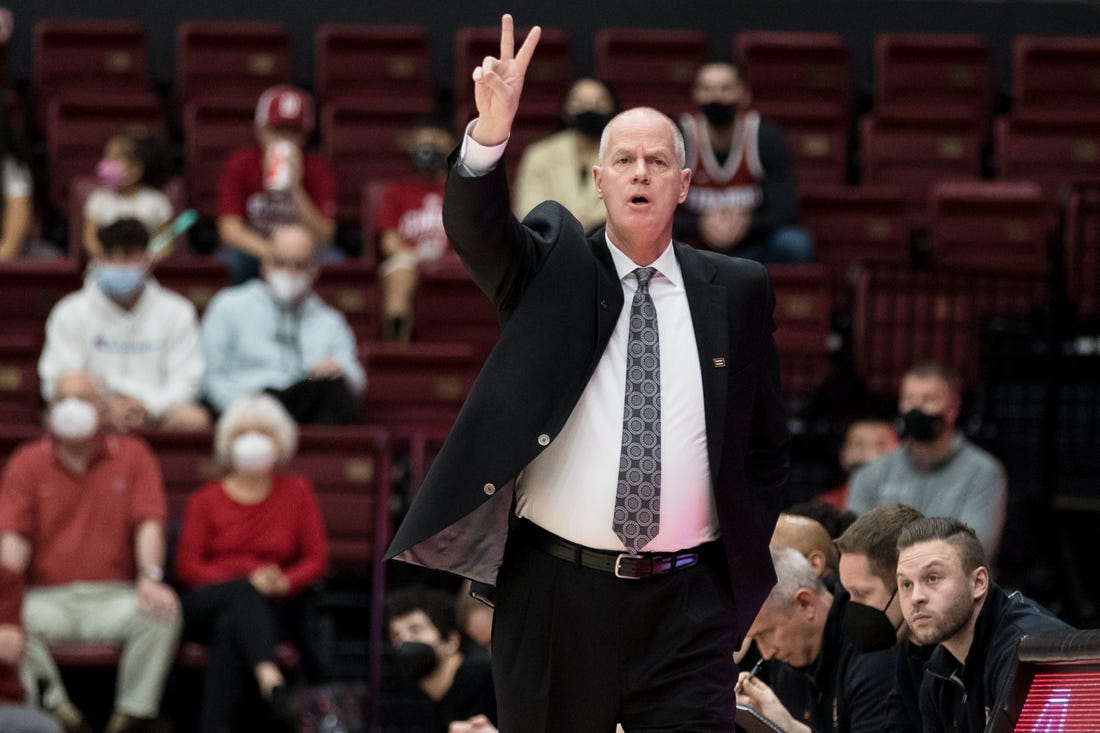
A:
(498, 84)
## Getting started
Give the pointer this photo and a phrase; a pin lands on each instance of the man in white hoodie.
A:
(139, 338)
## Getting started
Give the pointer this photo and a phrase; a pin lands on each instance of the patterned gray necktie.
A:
(638, 496)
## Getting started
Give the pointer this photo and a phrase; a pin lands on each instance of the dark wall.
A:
(856, 20)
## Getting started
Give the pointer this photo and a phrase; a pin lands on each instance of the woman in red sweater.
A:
(250, 543)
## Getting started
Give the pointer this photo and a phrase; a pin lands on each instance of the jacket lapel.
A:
(609, 297)
(709, 317)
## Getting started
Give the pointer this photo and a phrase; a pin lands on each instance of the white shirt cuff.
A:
(475, 159)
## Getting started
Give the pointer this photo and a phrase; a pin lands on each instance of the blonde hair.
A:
(261, 408)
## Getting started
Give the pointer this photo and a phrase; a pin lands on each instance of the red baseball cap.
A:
(285, 106)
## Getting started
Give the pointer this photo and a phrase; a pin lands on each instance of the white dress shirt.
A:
(569, 489)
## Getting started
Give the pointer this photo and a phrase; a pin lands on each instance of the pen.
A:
(752, 673)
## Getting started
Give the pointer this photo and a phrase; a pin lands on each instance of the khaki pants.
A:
(101, 612)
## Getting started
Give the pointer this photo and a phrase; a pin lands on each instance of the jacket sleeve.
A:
(868, 684)
(984, 508)
(312, 559)
(62, 352)
(182, 367)
(780, 204)
(767, 457)
(217, 339)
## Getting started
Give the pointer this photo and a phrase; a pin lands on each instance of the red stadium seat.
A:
(796, 67)
(1082, 249)
(235, 59)
(92, 57)
(362, 142)
(651, 67)
(351, 288)
(990, 225)
(1054, 149)
(802, 317)
(943, 75)
(371, 200)
(30, 291)
(915, 153)
(817, 135)
(420, 383)
(1055, 74)
(212, 128)
(548, 76)
(449, 306)
(19, 389)
(78, 126)
(852, 226)
(384, 66)
(197, 278)
(904, 316)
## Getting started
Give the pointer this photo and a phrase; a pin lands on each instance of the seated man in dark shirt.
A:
(456, 678)
(822, 684)
(948, 597)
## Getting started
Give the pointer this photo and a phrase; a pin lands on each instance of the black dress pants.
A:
(320, 402)
(577, 650)
(240, 628)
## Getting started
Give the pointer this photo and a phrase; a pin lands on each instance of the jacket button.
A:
(489, 489)
(544, 439)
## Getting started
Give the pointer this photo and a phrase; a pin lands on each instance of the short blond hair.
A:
(261, 408)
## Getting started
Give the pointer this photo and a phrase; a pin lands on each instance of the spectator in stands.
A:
(865, 440)
(456, 679)
(742, 199)
(140, 338)
(475, 618)
(17, 189)
(275, 182)
(936, 470)
(15, 717)
(873, 620)
(559, 167)
(812, 541)
(949, 599)
(409, 225)
(276, 335)
(821, 682)
(132, 176)
(242, 583)
(82, 514)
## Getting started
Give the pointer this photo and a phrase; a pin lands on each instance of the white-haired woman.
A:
(250, 542)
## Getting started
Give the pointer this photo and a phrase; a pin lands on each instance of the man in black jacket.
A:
(818, 682)
(610, 606)
(949, 599)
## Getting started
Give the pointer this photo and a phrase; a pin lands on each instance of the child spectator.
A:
(132, 176)
(410, 225)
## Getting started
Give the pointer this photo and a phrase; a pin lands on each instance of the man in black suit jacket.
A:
(523, 492)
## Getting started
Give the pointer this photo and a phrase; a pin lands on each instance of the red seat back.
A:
(384, 66)
(235, 59)
(651, 67)
(1055, 73)
(802, 324)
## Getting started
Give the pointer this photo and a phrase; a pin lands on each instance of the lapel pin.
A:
(719, 363)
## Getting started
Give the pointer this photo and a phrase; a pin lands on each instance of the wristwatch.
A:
(153, 572)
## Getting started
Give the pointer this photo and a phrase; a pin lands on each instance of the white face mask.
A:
(253, 452)
(74, 419)
(288, 287)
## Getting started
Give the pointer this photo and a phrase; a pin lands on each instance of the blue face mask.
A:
(120, 280)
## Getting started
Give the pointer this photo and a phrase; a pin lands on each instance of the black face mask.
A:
(416, 659)
(719, 114)
(867, 628)
(426, 159)
(590, 123)
(920, 426)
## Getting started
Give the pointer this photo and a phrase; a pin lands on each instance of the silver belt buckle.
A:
(619, 567)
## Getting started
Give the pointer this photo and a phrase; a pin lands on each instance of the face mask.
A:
(920, 426)
(253, 452)
(719, 114)
(868, 628)
(74, 419)
(416, 659)
(111, 174)
(289, 287)
(590, 123)
(426, 159)
(120, 280)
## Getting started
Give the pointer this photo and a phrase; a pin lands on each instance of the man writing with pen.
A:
(813, 678)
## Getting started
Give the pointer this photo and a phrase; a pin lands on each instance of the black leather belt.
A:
(620, 564)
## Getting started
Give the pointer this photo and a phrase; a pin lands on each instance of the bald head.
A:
(293, 241)
(643, 116)
(810, 538)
